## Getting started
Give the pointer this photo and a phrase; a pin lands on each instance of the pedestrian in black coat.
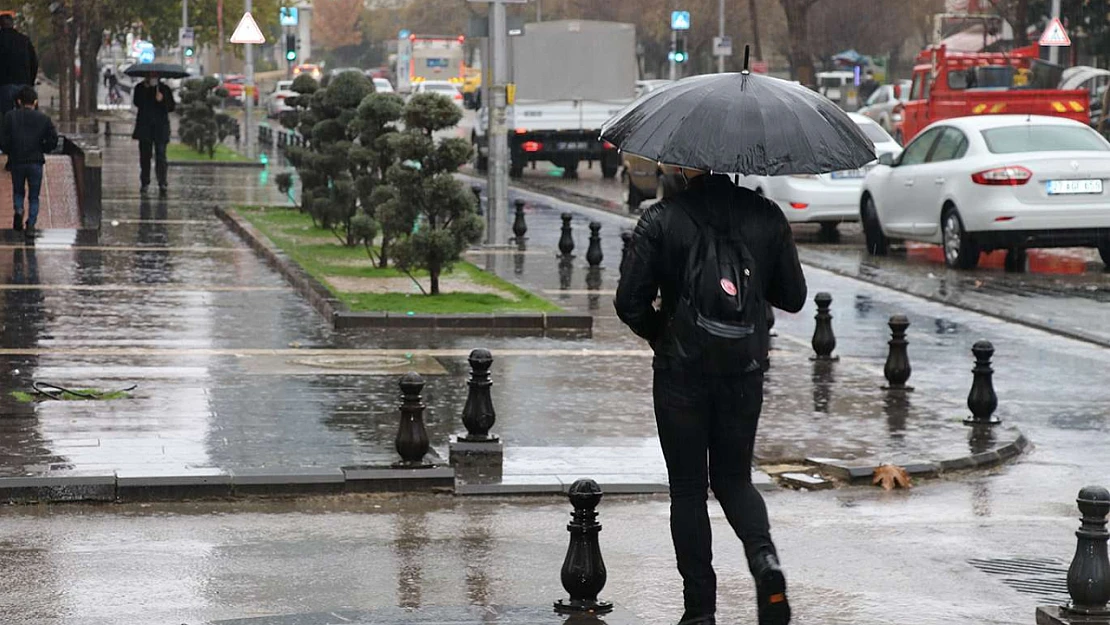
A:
(152, 129)
(18, 63)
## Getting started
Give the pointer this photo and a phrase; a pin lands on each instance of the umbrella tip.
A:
(747, 55)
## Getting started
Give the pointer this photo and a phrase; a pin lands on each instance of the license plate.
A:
(848, 173)
(572, 145)
(1073, 187)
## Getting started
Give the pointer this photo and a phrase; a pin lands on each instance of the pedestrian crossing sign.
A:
(1055, 35)
(680, 20)
(248, 31)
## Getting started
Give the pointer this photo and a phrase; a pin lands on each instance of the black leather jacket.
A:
(655, 263)
(26, 135)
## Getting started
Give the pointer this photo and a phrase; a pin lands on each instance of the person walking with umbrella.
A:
(718, 254)
(154, 100)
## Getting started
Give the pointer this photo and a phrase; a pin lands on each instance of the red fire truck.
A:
(958, 84)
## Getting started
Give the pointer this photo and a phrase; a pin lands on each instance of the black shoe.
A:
(29, 232)
(143, 189)
(17, 221)
(770, 586)
(163, 192)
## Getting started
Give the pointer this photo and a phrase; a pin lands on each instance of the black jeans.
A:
(158, 148)
(712, 417)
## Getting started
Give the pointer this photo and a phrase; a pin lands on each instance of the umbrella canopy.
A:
(740, 124)
(157, 70)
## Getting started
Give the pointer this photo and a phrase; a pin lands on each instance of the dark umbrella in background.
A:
(740, 123)
(156, 70)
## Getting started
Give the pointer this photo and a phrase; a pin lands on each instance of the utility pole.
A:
(497, 210)
(674, 46)
(539, 10)
(721, 34)
(184, 25)
(1054, 51)
(248, 89)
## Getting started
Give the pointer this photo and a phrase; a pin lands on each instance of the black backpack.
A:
(719, 321)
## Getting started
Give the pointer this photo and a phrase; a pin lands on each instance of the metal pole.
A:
(721, 34)
(674, 45)
(539, 10)
(498, 189)
(184, 24)
(1054, 51)
(249, 91)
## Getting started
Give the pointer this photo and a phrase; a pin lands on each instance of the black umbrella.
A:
(740, 123)
(157, 70)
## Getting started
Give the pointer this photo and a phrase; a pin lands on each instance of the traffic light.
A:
(290, 47)
(680, 50)
(189, 52)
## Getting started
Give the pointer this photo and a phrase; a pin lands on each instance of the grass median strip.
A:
(353, 278)
(223, 154)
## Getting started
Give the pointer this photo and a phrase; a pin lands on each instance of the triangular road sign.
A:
(1055, 35)
(247, 31)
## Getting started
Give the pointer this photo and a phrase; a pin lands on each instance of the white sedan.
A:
(441, 87)
(275, 103)
(992, 182)
(827, 199)
(381, 85)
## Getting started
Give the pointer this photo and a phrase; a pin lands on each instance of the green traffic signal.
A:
(189, 51)
(679, 57)
(290, 55)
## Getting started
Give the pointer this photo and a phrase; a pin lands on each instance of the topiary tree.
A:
(328, 190)
(431, 215)
(201, 128)
(371, 158)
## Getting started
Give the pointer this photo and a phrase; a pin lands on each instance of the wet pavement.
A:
(57, 197)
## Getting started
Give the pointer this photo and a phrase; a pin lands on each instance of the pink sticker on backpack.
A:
(728, 286)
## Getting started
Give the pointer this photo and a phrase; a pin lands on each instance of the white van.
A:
(832, 84)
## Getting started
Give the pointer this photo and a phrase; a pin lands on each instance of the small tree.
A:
(433, 217)
(201, 128)
(328, 191)
(371, 158)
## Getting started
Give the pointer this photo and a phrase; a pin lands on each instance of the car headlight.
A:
(896, 117)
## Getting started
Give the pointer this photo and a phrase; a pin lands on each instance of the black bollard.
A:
(583, 571)
(626, 243)
(824, 341)
(477, 191)
(897, 369)
(520, 228)
(566, 240)
(981, 400)
(478, 415)
(1089, 573)
(593, 253)
(412, 439)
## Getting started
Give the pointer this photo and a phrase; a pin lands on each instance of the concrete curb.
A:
(186, 485)
(335, 311)
(220, 164)
(854, 472)
(1003, 313)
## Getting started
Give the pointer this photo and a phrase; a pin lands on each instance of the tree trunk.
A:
(433, 273)
(383, 255)
(63, 43)
(1021, 23)
(753, 11)
(797, 28)
(91, 33)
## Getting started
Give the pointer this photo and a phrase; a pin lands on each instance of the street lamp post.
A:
(721, 34)
(498, 189)
(248, 89)
(184, 25)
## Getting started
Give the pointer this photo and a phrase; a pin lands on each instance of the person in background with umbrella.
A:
(718, 254)
(154, 99)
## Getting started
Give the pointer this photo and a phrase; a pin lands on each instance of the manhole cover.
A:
(1043, 578)
(371, 365)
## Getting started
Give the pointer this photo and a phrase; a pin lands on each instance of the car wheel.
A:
(829, 232)
(1015, 260)
(632, 196)
(876, 241)
(1104, 252)
(609, 167)
(960, 250)
(516, 171)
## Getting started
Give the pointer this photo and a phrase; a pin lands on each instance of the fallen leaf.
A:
(891, 476)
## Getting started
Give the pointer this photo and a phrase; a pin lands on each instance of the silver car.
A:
(881, 106)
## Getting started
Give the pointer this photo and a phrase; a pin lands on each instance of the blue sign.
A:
(404, 34)
(680, 20)
(146, 53)
(289, 16)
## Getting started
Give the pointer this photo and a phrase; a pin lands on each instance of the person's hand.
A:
(158, 95)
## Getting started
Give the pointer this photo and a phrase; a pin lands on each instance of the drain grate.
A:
(1043, 578)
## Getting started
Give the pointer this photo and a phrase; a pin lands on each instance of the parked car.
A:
(235, 85)
(644, 87)
(991, 182)
(832, 84)
(442, 87)
(880, 107)
(827, 199)
(275, 103)
(381, 85)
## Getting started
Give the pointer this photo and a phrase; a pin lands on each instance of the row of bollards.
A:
(981, 400)
(594, 255)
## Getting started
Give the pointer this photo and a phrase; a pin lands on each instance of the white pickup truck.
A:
(570, 76)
